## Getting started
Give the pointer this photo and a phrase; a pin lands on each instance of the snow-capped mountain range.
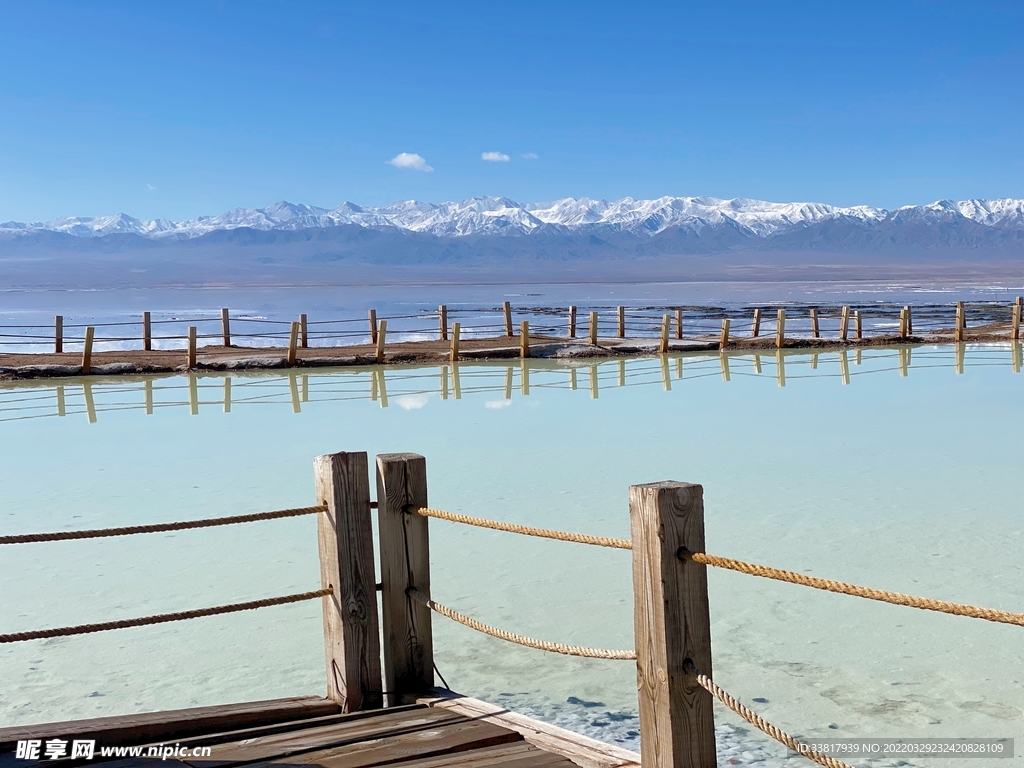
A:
(502, 216)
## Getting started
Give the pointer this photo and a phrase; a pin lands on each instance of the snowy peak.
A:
(503, 216)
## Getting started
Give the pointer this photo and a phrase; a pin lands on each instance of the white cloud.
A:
(151, 188)
(494, 157)
(411, 402)
(497, 405)
(410, 160)
(530, 156)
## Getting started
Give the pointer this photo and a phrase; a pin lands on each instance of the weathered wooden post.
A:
(372, 316)
(663, 346)
(903, 323)
(303, 331)
(345, 537)
(961, 323)
(147, 332)
(572, 322)
(90, 332)
(225, 326)
(442, 316)
(622, 322)
(755, 330)
(858, 325)
(904, 361)
(723, 342)
(444, 382)
(58, 333)
(593, 328)
(910, 320)
(815, 331)
(191, 356)
(780, 329)
(679, 325)
(1015, 323)
(405, 565)
(524, 338)
(506, 308)
(454, 354)
(382, 332)
(844, 323)
(672, 626)
(293, 343)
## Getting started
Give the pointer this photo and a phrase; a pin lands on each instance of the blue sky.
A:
(187, 108)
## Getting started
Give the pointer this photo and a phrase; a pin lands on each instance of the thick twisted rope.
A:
(162, 618)
(529, 642)
(763, 725)
(544, 533)
(896, 598)
(100, 533)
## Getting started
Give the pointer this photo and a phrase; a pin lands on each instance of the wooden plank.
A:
(371, 315)
(506, 309)
(815, 331)
(58, 334)
(225, 326)
(524, 339)
(90, 332)
(442, 320)
(191, 356)
(572, 322)
(517, 754)
(293, 343)
(147, 332)
(582, 750)
(756, 328)
(162, 726)
(405, 563)
(903, 323)
(910, 320)
(345, 539)
(303, 331)
(780, 329)
(672, 626)
(621, 325)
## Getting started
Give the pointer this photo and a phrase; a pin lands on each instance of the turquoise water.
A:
(897, 469)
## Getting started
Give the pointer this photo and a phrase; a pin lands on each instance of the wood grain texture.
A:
(780, 329)
(371, 316)
(303, 331)
(815, 330)
(844, 323)
(723, 341)
(858, 324)
(147, 332)
(456, 330)
(593, 328)
(405, 563)
(225, 326)
(191, 361)
(58, 333)
(672, 625)
(293, 343)
(755, 330)
(679, 325)
(506, 309)
(345, 537)
(382, 332)
(524, 339)
(665, 322)
(90, 333)
(620, 313)
(572, 322)
(442, 321)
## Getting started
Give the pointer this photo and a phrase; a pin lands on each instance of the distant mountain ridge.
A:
(744, 219)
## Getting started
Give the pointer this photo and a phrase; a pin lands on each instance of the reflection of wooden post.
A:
(508, 383)
(572, 379)
(622, 322)
(666, 383)
(444, 382)
(345, 539)
(507, 309)
(293, 388)
(456, 382)
(844, 366)
(193, 395)
(780, 329)
(663, 347)
(622, 373)
(191, 347)
(757, 363)
(814, 361)
(456, 330)
(404, 565)
(87, 351)
(679, 325)
(672, 626)
(227, 394)
(910, 320)
(372, 317)
(61, 408)
(904, 360)
(373, 386)
(303, 331)
(572, 322)
(960, 350)
(679, 367)
(147, 332)
(723, 342)
(780, 367)
(755, 330)
(593, 328)
(149, 396)
(383, 386)
(1017, 356)
(442, 318)
(524, 377)
(724, 360)
(857, 356)
(524, 339)
(305, 387)
(90, 406)
(815, 332)
(844, 323)
(293, 343)
(593, 382)
(58, 334)
(225, 326)
(382, 333)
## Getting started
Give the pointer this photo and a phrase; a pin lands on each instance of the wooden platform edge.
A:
(582, 750)
(147, 727)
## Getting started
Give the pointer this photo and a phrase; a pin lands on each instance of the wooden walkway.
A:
(439, 731)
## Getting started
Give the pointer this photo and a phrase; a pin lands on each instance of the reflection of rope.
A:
(529, 642)
(162, 618)
(545, 533)
(100, 533)
(761, 724)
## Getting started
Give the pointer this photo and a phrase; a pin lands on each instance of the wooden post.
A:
(679, 325)
(58, 334)
(456, 330)
(757, 363)
(191, 361)
(572, 380)
(382, 332)
(1016, 357)
(372, 317)
(815, 331)
(303, 331)
(814, 361)
(147, 332)
(780, 329)
(593, 328)
(756, 329)
(507, 309)
(903, 323)
(382, 386)
(524, 339)
(844, 323)
(1015, 322)
(90, 332)
(404, 564)
(442, 317)
(961, 323)
(672, 626)
(622, 373)
(305, 387)
(723, 342)
(859, 325)
(293, 343)
(572, 322)
(345, 539)
(910, 320)
(622, 322)
(225, 326)
(663, 347)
